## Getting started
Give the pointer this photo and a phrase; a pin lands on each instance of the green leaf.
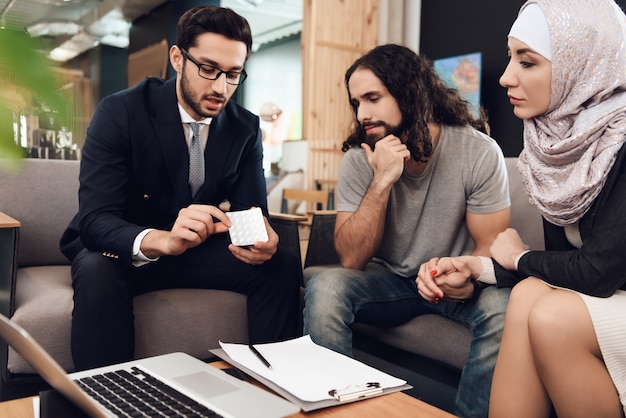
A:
(34, 84)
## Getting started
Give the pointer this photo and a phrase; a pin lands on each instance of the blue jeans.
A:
(336, 298)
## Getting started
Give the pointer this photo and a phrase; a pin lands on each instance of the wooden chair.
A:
(330, 185)
(319, 198)
(314, 199)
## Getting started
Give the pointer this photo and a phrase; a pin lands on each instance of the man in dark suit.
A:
(141, 224)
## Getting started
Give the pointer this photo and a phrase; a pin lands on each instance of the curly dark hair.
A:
(214, 19)
(421, 95)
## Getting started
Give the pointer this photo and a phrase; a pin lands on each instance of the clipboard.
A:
(340, 396)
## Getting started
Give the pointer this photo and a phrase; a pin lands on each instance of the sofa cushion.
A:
(43, 307)
(432, 336)
(42, 195)
(187, 320)
(525, 217)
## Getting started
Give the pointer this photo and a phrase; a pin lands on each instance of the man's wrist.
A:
(478, 287)
(139, 258)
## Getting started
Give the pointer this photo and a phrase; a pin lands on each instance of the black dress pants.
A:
(103, 320)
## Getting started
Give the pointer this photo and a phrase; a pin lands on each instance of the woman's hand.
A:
(448, 278)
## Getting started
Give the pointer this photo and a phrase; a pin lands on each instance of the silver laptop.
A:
(183, 379)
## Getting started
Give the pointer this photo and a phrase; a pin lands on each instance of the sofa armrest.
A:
(321, 248)
(288, 217)
(287, 228)
(8, 222)
(9, 230)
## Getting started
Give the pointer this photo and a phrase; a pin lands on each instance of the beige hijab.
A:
(569, 151)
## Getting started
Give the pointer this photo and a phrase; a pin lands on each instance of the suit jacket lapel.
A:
(171, 138)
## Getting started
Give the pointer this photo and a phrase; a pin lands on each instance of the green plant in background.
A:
(30, 86)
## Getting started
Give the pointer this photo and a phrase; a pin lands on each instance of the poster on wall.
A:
(462, 72)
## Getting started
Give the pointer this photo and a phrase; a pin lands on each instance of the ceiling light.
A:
(53, 28)
(116, 40)
(112, 22)
(73, 47)
(58, 2)
(61, 54)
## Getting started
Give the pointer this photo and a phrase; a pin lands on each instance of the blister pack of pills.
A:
(248, 227)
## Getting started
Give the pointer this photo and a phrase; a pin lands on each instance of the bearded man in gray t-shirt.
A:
(419, 180)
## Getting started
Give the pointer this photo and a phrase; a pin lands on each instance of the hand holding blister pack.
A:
(248, 227)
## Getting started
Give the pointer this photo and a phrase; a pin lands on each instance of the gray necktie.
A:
(196, 160)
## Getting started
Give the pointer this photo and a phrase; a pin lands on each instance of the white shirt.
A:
(204, 129)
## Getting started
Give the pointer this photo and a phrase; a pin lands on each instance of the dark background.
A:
(459, 27)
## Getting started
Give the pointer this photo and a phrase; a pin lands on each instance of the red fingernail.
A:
(436, 300)
(433, 272)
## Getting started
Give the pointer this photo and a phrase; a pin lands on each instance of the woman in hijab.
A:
(564, 341)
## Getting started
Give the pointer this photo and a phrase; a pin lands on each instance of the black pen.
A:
(260, 356)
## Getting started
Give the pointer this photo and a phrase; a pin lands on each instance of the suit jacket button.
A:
(146, 196)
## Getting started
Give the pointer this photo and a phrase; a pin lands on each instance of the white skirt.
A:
(609, 321)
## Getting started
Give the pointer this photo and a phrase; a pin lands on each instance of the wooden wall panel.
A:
(334, 34)
(329, 112)
(150, 61)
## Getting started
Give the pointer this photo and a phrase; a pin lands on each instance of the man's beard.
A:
(193, 101)
(372, 139)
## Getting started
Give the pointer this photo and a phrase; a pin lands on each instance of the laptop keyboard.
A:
(135, 393)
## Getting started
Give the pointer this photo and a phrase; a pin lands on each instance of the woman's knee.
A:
(524, 295)
(558, 317)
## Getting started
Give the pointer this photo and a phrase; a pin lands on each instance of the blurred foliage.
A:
(31, 88)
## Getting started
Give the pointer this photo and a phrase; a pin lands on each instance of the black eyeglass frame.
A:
(242, 74)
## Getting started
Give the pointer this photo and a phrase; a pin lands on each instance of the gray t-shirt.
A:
(426, 213)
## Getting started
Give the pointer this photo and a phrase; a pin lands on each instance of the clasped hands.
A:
(450, 278)
(196, 223)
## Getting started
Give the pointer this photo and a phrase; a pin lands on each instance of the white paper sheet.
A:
(307, 370)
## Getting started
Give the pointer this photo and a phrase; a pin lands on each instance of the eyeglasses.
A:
(213, 73)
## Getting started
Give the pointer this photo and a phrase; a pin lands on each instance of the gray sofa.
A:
(36, 292)
(35, 288)
(432, 338)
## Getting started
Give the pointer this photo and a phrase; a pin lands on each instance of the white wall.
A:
(275, 75)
